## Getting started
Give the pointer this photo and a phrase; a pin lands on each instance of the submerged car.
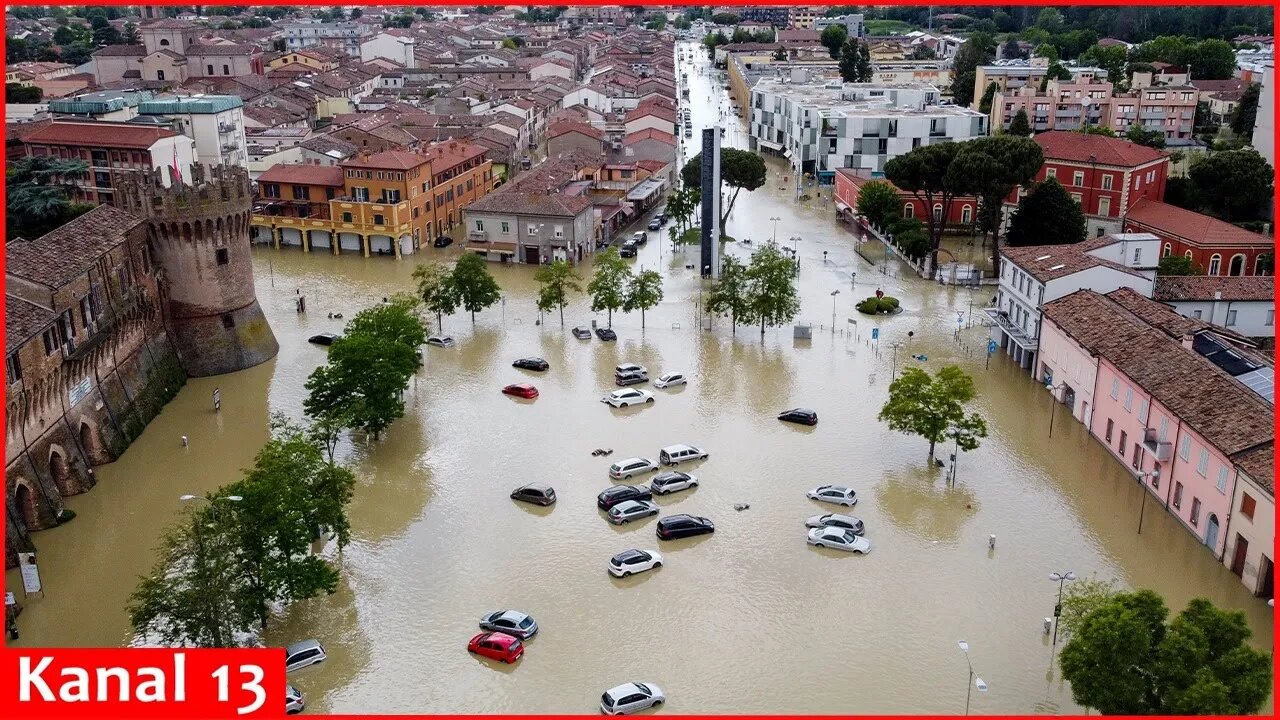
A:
(676, 454)
(443, 241)
(303, 654)
(672, 527)
(293, 702)
(624, 469)
(323, 338)
(630, 562)
(840, 539)
(497, 646)
(511, 622)
(630, 698)
(521, 390)
(838, 521)
(667, 380)
(627, 398)
(532, 363)
(536, 493)
(655, 223)
(669, 482)
(606, 334)
(582, 333)
(628, 510)
(441, 341)
(630, 368)
(621, 493)
(838, 494)
(630, 378)
(803, 416)
(628, 250)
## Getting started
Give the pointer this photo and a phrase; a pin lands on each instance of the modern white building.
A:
(851, 22)
(344, 36)
(396, 48)
(1033, 275)
(1264, 125)
(821, 127)
(214, 122)
(1244, 305)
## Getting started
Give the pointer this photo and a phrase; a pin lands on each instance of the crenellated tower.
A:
(199, 236)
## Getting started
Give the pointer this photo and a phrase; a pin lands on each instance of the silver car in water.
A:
(511, 622)
(630, 698)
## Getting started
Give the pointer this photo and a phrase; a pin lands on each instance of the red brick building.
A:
(1106, 175)
(849, 182)
(1216, 246)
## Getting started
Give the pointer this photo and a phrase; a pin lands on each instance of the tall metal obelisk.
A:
(710, 266)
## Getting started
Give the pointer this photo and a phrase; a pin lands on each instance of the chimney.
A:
(1188, 340)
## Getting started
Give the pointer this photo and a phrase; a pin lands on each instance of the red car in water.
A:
(496, 646)
(521, 390)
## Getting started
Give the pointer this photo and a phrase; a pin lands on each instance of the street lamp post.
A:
(1060, 578)
(1053, 403)
(834, 293)
(956, 433)
(895, 345)
(775, 221)
(1142, 480)
(974, 680)
(795, 252)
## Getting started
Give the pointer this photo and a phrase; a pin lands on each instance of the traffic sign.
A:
(875, 333)
(991, 346)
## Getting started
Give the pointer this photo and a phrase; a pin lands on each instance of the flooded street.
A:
(750, 619)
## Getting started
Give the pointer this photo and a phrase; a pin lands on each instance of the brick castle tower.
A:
(199, 236)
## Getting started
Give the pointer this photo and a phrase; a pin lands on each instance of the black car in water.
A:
(682, 526)
(655, 223)
(628, 249)
(535, 493)
(531, 363)
(443, 241)
(803, 416)
(322, 339)
(621, 493)
(606, 334)
(630, 378)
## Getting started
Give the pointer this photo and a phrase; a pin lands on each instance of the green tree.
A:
(1123, 658)
(36, 197)
(1020, 125)
(362, 384)
(436, 290)
(682, 203)
(508, 43)
(1246, 113)
(1081, 597)
(1141, 136)
(131, 34)
(1011, 49)
(739, 169)
(644, 292)
(290, 497)
(988, 95)
(1055, 72)
(1181, 191)
(849, 61)
(993, 167)
(555, 281)
(878, 202)
(1097, 130)
(771, 279)
(731, 294)
(22, 94)
(1234, 185)
(1046, 216)
(780, 53)
(189, 597)
(1178, 265)
(1048, 52)
(725, 18)
(475, 285)
(609, 282)
(1112, 59)
(921, 52)
(933, 407)
(927, 173)
(356, 13)
(865, 69)
(1214, 59)
(1051, 20)
(833, 37)
(978, 49)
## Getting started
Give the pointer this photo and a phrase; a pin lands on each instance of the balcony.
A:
(478, 236)
(1014, 331)
(1161, 451)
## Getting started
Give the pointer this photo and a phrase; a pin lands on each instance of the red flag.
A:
(177, 172)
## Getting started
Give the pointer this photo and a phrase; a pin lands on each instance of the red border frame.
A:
(1033, 3)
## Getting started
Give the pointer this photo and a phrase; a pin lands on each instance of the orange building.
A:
(387, 203)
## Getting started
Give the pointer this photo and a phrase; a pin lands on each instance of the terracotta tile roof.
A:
(330, 175)
(446, 155)
(64, 254)
(564, 127)
(1162, 317)
(198, 50)
(1216, 86)
(1050, 262)
(122, 135)
(121, 51)
(1260, 464)
(170, 24)
(1078, 147)
(386, 160)
(1203, 287)
(649, 134)
(23, 320)
(1226, 413)
(655, 110)
(800, 35)
(1192, 227)
(328, 144)
(512, 200)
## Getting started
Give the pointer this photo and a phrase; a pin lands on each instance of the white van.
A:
(676, 454)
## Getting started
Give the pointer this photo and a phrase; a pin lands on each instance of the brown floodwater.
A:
(750, 619)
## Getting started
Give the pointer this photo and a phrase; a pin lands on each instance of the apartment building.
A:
(344, 36)
(823, 127)
(1069, 105)
(1013, 75)
(111, 150)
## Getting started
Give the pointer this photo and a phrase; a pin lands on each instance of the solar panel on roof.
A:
(1262, 381)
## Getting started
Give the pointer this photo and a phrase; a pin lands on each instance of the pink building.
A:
(1182, 404)
(1069, 105)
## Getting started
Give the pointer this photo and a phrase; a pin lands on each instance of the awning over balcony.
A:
(628, 210)
(502, 248)
(1015, 332)
(771, 145)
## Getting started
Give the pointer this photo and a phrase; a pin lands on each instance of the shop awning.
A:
(628, 210)
(842, 206)
(786, 154)
(771, 145)
(502, 248)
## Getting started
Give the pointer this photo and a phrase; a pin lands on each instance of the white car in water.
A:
(627, 398)
(630, 698)
(628, 510)
(624, 469)
(630, 562)
(840, 539)
(838, 494)
(670, 380)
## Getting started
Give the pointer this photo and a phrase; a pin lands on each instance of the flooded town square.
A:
(750, 619)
